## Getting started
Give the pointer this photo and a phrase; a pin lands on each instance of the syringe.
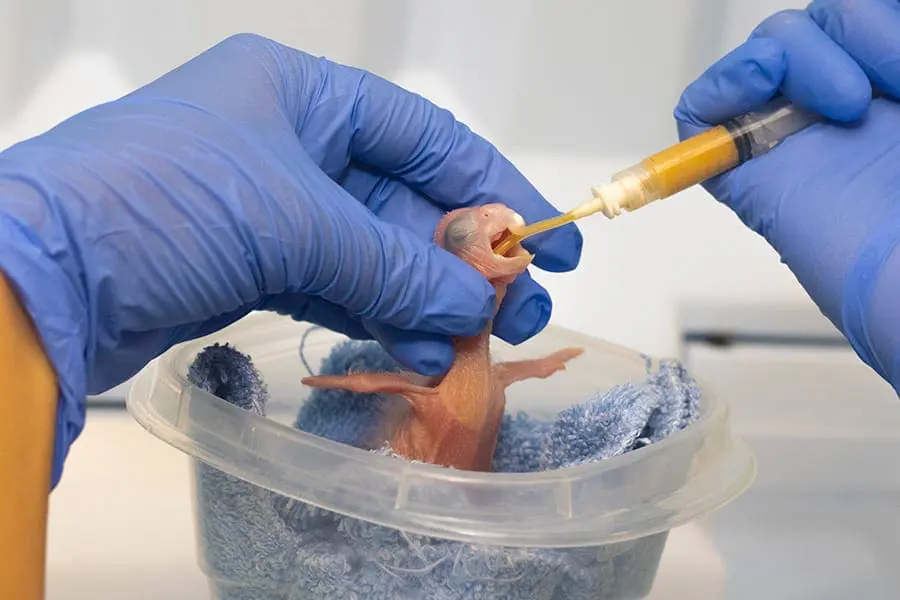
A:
(681, 166)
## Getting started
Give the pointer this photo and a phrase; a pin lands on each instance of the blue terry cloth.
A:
(348, 417)
(259, 545)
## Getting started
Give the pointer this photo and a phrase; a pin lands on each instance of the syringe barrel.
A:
(685, 164)
(702, 157)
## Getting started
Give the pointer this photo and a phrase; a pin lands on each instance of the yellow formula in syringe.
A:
(681, 166)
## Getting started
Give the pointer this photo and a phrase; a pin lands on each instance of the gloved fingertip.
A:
(820, 75)
(435, 362)
(845, 99)
(526, 314)
(852, 106)
(541, 317)
(556, 251)
(428, 357)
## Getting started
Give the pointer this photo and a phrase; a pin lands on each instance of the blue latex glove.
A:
(827, 199)
(255, 177)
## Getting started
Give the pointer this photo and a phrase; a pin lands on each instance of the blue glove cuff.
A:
(55, 306)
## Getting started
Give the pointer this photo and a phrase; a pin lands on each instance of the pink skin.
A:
(455, 420)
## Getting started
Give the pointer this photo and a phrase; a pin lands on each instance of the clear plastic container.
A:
(616, 513)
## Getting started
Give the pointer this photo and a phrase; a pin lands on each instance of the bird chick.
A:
(454, 420)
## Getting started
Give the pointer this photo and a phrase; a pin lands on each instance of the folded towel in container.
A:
(259, 545)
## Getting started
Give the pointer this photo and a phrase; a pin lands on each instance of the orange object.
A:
(29, 402)
(454, 420)
(683, 165)
(664, 174)
(695, 159)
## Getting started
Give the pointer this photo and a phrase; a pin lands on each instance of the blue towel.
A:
(259, 545)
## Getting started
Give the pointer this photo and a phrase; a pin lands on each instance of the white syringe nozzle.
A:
(628, 191)
(607, 200)
(612, 197)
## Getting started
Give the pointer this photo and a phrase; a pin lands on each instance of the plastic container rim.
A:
(164, 372)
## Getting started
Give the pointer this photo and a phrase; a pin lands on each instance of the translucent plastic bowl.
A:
(617, 511)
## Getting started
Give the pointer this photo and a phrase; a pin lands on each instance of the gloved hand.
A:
(828, 198)
(255, 177)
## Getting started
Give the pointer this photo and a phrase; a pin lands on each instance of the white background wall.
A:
(571, 90)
